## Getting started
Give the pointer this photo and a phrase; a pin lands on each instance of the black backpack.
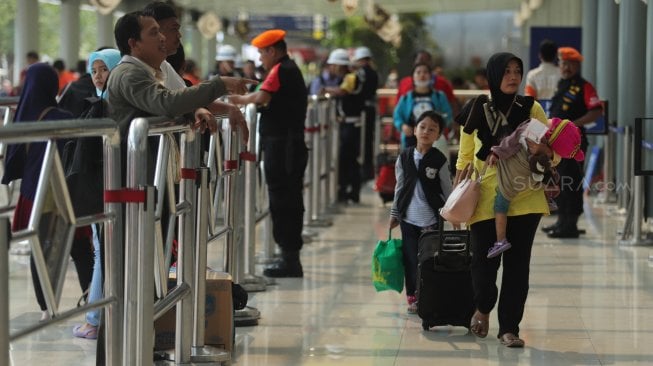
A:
(82, 160)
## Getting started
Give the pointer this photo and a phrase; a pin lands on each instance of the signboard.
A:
(643, 148)
(562, 36)
(302, 25)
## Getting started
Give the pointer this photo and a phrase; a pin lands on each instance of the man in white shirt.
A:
(166, 16)
(542, 81)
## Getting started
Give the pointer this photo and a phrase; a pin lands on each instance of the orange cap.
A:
(569, 54)
(268, 38)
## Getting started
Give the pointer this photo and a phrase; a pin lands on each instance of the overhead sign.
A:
(309, 23)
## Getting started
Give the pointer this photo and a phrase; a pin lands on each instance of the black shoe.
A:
(550, 228)
(563, 234)
(285, 269)
(355, 198)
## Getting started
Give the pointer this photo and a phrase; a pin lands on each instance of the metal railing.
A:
(52, 175)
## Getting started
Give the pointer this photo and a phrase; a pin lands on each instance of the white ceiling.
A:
(231, 8)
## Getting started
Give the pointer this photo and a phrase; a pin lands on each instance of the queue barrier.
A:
(52, 176)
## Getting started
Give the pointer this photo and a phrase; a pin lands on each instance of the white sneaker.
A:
(45, 315)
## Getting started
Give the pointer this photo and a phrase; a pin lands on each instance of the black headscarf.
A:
(496, 68)
(472, 116)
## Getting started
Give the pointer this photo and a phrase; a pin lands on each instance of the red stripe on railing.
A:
(188, 173)
(248, 156)
(230, 164)
(125, 195)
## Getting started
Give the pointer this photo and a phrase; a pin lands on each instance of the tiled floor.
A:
(590, 303)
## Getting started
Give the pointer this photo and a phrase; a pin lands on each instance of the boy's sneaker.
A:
(412, 304)
(498, 248)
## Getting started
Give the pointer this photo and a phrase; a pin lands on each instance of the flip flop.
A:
(511, 340)
(479, 327)
(88, 333)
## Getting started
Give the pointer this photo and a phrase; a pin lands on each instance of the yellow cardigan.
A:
(526, 202)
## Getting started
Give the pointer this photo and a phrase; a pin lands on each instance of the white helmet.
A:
(339, 56)
(226, 53)
(362, 52)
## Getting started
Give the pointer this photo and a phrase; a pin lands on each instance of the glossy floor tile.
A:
(590, 303)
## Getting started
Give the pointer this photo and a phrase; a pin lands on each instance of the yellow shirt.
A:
(526, 202)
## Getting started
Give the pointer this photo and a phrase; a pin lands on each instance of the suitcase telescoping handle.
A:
(460, 237)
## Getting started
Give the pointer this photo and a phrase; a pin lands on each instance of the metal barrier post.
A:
(201, 352)
(139, 252)
(315, 165)
(249, 280)
(326, 157)
(114, 260)
(635, 216)
(309, 131)
(4, 289)
(335, 141)
(185, 252)
(624, 194)
(233, 219)
(608, 195)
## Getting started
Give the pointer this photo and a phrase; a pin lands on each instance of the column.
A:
(70, 32)
(26, 36)
(649, 94)
(630, 70)
(589, 36)
(631, 67)
(606, 54)
(209, 58)
(105, 36)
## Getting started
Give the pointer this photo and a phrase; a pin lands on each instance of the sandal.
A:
(479, 326)
(85, 331)
(511, 340)
(498, 248)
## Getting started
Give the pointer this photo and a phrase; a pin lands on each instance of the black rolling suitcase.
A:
(444, 289)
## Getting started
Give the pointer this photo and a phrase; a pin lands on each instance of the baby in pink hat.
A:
(522, 163)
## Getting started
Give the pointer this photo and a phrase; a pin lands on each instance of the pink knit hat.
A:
(564, 139)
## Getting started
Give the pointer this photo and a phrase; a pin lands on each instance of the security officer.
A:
(282, 100)
(350, 102)
(576, 100)
(370, 82)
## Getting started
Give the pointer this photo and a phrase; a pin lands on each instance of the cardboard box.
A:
(218, 318)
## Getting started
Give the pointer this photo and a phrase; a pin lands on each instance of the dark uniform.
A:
(370, 82)
(573, 99)
(349, 111)
(284, 152)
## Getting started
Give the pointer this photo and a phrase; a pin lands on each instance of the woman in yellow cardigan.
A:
(485, 122)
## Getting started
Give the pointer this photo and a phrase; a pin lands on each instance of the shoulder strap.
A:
(44, 112)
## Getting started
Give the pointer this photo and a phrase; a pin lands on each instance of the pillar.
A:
(70, 32)
(589, 36)
(26, 33)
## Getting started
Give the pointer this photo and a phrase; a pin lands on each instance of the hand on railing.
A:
(204, 119)
(236, 118)
(237, 85)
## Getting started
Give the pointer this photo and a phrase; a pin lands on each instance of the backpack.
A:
(82, 161)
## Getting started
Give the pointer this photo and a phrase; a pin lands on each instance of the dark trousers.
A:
(284, 164)
(409, 240)
(349, 178)
(368, 152)
(570, 200)
(516, 266)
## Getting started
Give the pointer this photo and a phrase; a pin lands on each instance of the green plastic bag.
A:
(387, 265)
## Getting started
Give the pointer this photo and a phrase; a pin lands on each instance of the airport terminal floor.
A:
(590, 303)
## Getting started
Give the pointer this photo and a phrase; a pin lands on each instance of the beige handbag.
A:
(462, 201)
